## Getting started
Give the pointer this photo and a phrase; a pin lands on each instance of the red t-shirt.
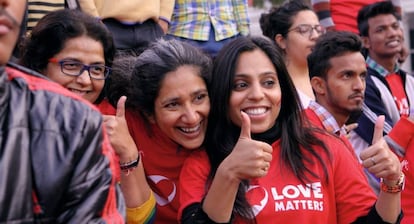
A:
(344, 13)
(403, 134)
(398, 92)
(280, 197)
(314, 120)
(162, 160)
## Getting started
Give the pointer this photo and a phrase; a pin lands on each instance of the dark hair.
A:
(120, 77)
(222, 134)
(51, 33)
(160, 58)
(373, 10)
(280, 19)
(329, 45)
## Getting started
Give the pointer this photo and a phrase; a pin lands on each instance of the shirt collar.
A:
(378, 68)
(328, 121)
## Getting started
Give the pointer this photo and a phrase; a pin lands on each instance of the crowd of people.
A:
(171, 112)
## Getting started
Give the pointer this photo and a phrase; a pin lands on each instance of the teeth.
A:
(255, 111)
(78, 91)
(189, 130)
(394, 43)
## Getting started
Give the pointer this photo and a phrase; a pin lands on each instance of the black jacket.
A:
(52, 149)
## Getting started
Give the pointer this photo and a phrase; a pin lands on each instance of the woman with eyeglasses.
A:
(294, 27)
(72, 49)
(77, 51)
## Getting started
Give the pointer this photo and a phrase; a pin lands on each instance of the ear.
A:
(318, 85)
(280, 40)
(365, 42)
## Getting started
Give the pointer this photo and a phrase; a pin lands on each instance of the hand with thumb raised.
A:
(118, 132)
(249, 158)
(378, 158)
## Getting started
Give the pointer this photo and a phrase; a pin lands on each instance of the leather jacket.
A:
(56, 166)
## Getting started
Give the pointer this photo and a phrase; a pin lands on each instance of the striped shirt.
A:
(193, 19)
(327, 119)
(39, 8)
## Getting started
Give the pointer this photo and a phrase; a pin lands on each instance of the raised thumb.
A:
(245, 125)
(379, 129)
(120, 107)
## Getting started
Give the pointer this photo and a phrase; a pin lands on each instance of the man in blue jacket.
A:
(389, 90)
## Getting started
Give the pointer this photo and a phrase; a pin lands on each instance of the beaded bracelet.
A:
(129, 166)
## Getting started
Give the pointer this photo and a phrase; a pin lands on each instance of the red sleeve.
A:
(403, 132)
(403, 136)
(193, 180)
(354, 197)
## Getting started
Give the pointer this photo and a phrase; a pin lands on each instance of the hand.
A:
(249, 158)
(349, 128)
(118, 133)
(378, 158)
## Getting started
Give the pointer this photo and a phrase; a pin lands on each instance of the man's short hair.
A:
(329, 45)
(373, 10)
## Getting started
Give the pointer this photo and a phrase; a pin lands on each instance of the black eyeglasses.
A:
(76, 68)
(307, 29)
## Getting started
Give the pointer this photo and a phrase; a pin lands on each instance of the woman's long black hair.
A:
(222, 134)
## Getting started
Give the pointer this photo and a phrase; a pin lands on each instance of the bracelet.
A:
(398, 187)
(129, 166)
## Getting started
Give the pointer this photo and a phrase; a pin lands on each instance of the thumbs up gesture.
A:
(249, 158)
(378, 158)
(117, 130)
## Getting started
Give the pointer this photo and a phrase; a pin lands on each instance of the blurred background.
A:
(259, 6)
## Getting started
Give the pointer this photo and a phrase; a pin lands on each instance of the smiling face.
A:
(87, 51)
(11, 15)
(342, 91)
(182, 107)
(256, 91)
(385, 37)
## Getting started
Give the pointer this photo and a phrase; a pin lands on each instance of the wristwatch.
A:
(398, 187)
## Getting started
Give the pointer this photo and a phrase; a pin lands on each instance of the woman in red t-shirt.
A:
(261, 162)
(164, 117)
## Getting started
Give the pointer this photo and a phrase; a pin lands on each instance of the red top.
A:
(403, 134)
(315, 120)
(345, 13)
(280, 197)
(396, 85)
(162, 160)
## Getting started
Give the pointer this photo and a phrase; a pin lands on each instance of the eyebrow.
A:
(173, 99)
(353, 72)
(308, 24)
(79, 61)
(243, 75)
